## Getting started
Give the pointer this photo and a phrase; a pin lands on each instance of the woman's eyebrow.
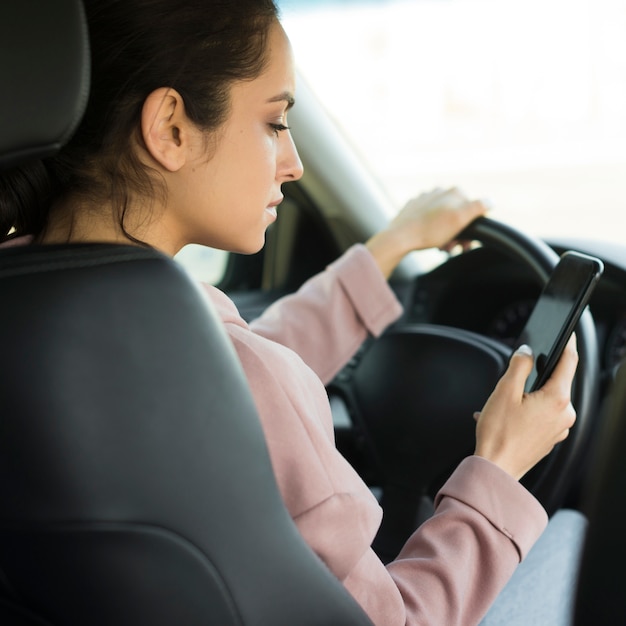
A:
(285, 96)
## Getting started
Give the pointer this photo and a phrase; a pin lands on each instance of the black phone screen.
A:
(557, 312)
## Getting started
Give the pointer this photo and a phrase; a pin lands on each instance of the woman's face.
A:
(230, 197)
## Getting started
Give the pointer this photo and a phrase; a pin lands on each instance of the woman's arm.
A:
(331, 315)
(326, 321)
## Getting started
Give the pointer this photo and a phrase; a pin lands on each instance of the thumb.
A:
(520, 365)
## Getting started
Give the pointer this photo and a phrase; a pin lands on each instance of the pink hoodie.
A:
(451, 569)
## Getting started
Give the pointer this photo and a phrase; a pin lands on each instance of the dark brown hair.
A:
(198, 47)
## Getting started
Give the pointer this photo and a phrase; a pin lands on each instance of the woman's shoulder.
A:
(224, 306)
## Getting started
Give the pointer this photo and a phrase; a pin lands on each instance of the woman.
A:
(185, 140)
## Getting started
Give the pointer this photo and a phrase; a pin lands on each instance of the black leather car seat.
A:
(135, 484)
(44, 68)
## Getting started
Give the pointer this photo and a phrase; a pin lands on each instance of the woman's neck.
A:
(73, 221)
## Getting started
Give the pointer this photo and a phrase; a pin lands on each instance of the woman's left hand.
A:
(431, 220)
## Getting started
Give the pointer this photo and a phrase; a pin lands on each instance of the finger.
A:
(465, 245)
(520, 365)
(565, 369)
(478, 208)
(451, 197)
(463, 214)
(487, 204)
(469, 211)
(455, 197)
(431, 195)
(458, 193)
(450, 246)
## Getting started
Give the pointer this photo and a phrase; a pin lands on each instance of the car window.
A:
(203, 264)
(519, 101)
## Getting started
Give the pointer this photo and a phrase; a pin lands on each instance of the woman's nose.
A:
(290, 165)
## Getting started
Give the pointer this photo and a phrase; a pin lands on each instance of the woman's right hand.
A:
(515, 430)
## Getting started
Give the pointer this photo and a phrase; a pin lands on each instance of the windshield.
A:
(519, 101)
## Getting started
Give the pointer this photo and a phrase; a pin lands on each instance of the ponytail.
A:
(26, 194)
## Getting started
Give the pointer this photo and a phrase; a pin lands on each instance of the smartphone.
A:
(557, 312)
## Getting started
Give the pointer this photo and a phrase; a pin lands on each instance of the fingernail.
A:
(524, 349)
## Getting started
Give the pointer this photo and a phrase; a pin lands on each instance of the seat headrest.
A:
(44, 72)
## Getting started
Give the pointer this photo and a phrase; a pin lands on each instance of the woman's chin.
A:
(251, 247)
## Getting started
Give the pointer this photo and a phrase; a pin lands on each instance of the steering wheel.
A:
(413, 391)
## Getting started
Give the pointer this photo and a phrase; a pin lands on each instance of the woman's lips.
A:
(271, 208)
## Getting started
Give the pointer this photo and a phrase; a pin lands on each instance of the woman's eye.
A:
(277, 128)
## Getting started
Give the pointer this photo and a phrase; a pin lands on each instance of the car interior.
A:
(137, 488)
(132, 494)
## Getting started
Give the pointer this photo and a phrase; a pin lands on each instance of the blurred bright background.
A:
(522, 102)
(519, 101)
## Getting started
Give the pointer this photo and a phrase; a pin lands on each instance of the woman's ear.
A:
(164, 127)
